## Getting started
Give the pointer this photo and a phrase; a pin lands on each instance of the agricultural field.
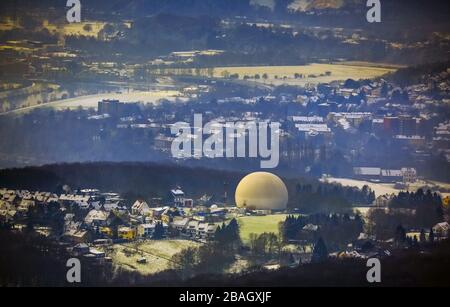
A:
(259, 224)
(301, 75)
(389, 188)
(157, 253)
(378, 188)
(85, 28)
(77, 28)
(306, 74)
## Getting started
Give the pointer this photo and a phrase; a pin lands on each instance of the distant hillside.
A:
(147, 180)
(144, 180)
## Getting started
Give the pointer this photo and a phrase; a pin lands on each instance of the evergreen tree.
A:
(400, 235)
(384, 90)
(431, 236)
(415, 241)
(422, 236)
(320, 252)
(220, 235)
(232, 232)
(158, 233)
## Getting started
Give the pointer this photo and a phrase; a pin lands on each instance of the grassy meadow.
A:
(259, 224)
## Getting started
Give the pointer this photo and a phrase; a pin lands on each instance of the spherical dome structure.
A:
(261, 191)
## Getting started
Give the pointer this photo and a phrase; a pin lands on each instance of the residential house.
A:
(145, 230)
(97, 218)
(25, 205)
(116, 205)
(126, 233)
(95, 253)
(140, 207)
(367, 173)
(211, 231)
(80, 249)
(383, 200)
(7, 215)
(391, 175)
(177, 197)
(191, 229)
(156, 213)
(168, 215)
(409, 174)
(81, 201)
(180, 225)
(441, 230)
(107, 231)
(76, 235)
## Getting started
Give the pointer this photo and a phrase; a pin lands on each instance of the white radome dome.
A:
(261, 191)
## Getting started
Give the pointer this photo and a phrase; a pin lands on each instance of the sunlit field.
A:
(378, 188)
(85, 28)
(259, 224)
(306, 74)
(292, 75)
(389, 188)
(77, 28)
(158, 254)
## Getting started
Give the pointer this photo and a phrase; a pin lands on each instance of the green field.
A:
(259, 224)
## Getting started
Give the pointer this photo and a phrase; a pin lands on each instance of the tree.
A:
(350, 83)
(87, 27)
(158, 234)
(320, 252)
(384, 90)
(232, 232)
(422, 237)
(185, 261)
(415, 241)
(213, 258)
(225, 74)
(400, 235)
(228, 234)
(431, 236)
(30, 23)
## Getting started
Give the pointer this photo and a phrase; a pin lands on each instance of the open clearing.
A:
(311, 74)
(158, 254)
(378, 188)
(387, 188)
(259, 224)
(77, 28)
(299, 75)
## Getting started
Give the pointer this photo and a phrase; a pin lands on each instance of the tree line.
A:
(337, 230)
